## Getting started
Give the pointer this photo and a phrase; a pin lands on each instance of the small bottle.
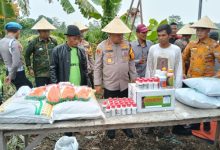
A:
(113, 110)
(141, 84)
(157, 84)
(163, 80)
(128, 109)
(123, 110)
(134, 109)
(118, 110)
(108, 111)
(170, 78)
(151, 85)
(104, 104)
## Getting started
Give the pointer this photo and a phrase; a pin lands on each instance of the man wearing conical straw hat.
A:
(202, 52)
(88, 50)
(41, 49)
(186, 32)
(114, 65)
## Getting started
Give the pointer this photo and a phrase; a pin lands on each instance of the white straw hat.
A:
(116, 26)
(81, 26)
(186, 30)
(204, 22)
(43, 24)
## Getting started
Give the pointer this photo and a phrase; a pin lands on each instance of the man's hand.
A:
(184, 76)
(8, 80)
(98, 89)
(31, 72)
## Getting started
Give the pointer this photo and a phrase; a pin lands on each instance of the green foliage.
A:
(176, 19)
(94, 34)
(67, 6)
(87, 10)
(153, 25)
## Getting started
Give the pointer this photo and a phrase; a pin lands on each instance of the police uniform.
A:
(11, 53)
(114, 68)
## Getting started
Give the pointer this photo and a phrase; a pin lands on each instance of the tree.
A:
(176, 19)
(8, 12)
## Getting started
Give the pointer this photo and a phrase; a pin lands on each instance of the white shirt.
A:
(169, 57)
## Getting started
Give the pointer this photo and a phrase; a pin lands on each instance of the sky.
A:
(158, 9)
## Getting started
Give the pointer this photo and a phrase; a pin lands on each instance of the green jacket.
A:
(41, 51)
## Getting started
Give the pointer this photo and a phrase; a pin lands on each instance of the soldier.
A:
(41, 49)
(88, 50)
(141, 48)
(10, 52)
(114, 66)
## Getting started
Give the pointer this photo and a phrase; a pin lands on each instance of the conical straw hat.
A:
(116, 26)
(43, 24)
(81, 26)
(186, 30)
(204, 22)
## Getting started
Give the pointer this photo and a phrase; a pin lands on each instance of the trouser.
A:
(91, 78)
(20, 80)
(119, 94)
(41, 81)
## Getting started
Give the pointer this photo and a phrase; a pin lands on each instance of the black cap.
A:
(72, 30)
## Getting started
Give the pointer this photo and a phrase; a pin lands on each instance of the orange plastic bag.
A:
(53, 94)
(37, 93)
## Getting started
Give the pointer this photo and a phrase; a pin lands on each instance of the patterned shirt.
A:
(201, 55)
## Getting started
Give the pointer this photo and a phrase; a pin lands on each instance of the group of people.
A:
(117, 61)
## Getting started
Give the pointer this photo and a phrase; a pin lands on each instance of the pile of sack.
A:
(202, 93)
(47, 104)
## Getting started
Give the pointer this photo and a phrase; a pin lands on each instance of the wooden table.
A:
(181, 115)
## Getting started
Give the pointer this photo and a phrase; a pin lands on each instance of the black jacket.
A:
(60, 65)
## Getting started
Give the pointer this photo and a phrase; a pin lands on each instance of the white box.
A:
(152, 100)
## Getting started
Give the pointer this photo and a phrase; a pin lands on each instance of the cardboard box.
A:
(152, 100)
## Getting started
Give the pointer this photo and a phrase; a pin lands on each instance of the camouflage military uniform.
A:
(41, 51)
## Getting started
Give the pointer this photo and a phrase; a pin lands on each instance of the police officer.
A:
(114, 65)
(11, 53)
(88, 51)
(41, 49)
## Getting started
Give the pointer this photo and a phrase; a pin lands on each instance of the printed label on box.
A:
(156, 101)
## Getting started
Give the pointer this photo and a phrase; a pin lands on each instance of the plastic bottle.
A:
(118, 110)
(151, 84)
(163, 79)
(128, 109)
(123, 110)
(104, 104)
(113, 110)
(170, 78)
(108, 111)
(134, 109)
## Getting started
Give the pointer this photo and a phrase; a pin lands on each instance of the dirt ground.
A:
(158, 139)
